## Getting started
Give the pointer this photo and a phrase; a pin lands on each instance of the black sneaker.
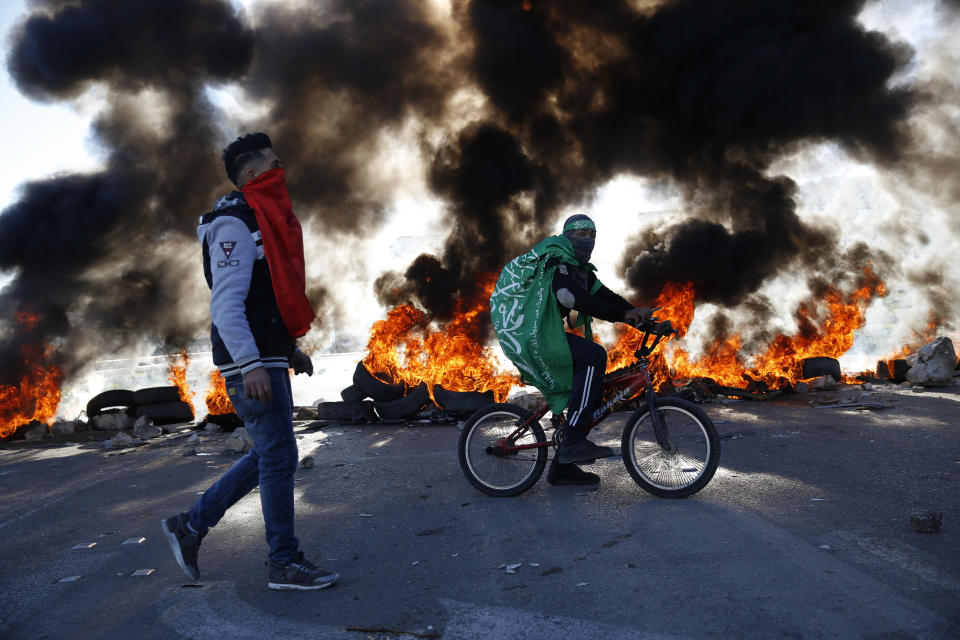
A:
(184, 543)
(301, 574)
(582, 451)
(570, 474)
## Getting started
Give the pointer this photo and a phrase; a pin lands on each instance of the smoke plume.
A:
(566, 96)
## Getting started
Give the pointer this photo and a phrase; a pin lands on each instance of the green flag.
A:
(528, 323)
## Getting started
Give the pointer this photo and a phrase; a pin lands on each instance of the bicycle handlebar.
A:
(654, 326)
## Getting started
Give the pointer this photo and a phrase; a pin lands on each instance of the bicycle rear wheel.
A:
(687, 460)
(494, 473)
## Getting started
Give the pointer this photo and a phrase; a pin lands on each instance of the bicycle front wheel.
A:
(486, 466)
(687, 459)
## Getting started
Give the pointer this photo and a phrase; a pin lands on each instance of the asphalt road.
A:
(803, 533)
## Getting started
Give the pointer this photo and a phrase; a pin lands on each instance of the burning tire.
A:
(113, 398)
(892, 370)
(351, 394)
(373, 387)
(461, 401)
(156, 395)
(403, 407)
(229, 421)
(167, 412)
(816, 367)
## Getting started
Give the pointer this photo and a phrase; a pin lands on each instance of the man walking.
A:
(254, 266)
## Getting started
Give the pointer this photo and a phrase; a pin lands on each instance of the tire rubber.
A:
(156, 395)
(166, 412)
(370, 386)
(111, 398)
(515, 413)
(820, 366)
(351, 394)
(461, 401)
(403, 407)
(713, 459)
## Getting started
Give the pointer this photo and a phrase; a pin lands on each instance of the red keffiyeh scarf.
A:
(283, 244)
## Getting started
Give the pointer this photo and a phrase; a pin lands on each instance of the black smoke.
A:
(100, 258)
(702, 94)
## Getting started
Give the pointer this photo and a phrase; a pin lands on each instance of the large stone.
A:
(116, 421)
(144, 429)
(38, 431)
(119, 441)
(65, 427)
(934, 364)
(531, 401)
(239, 440)
(823, 383)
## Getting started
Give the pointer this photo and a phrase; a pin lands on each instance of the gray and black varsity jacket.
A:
(247, 330)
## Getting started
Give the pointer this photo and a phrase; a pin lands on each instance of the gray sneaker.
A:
(184, 544)
(300, 574)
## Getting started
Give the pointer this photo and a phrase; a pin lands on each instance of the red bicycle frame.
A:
(637, 379)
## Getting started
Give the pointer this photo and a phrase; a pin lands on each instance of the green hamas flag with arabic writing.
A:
(527, 319)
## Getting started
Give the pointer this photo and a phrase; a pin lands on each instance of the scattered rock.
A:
(307, 462)
(933, 364)
(867, 386)
(189, 452)
(37, 431)
(239, 441)
(823, 383)
(113, 421)
(527, 400)
(801, 387)
(144, 429)
(213, 428)
(917, 389)
(119, 441)
(305, 413)
(926, 521)
(194, 439)
(66, 427)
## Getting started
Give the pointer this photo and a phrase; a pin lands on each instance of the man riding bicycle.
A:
(535, 292)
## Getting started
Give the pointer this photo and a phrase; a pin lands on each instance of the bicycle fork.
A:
(660, 430)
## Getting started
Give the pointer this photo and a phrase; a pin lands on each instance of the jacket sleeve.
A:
(612, 298)
(571, 294)
(232, 254)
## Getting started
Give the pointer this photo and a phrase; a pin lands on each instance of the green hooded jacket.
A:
(526, 317)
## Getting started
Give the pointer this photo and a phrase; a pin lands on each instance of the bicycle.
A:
(669, 445)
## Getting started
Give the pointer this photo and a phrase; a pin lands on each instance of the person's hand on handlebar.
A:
(637, 315)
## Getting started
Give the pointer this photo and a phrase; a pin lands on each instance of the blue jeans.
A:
(270, 464)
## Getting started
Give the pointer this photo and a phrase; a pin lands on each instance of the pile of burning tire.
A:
(161, 404)
(376, 398)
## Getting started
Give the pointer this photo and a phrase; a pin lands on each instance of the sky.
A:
(834, 188)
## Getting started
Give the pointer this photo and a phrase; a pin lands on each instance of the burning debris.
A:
(702, 98)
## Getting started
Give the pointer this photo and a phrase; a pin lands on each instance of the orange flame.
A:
(826, 328)
(37, 396)
(177, 375)
(409, 350)
(218, 402)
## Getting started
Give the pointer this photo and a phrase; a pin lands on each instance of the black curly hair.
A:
(243, 150)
